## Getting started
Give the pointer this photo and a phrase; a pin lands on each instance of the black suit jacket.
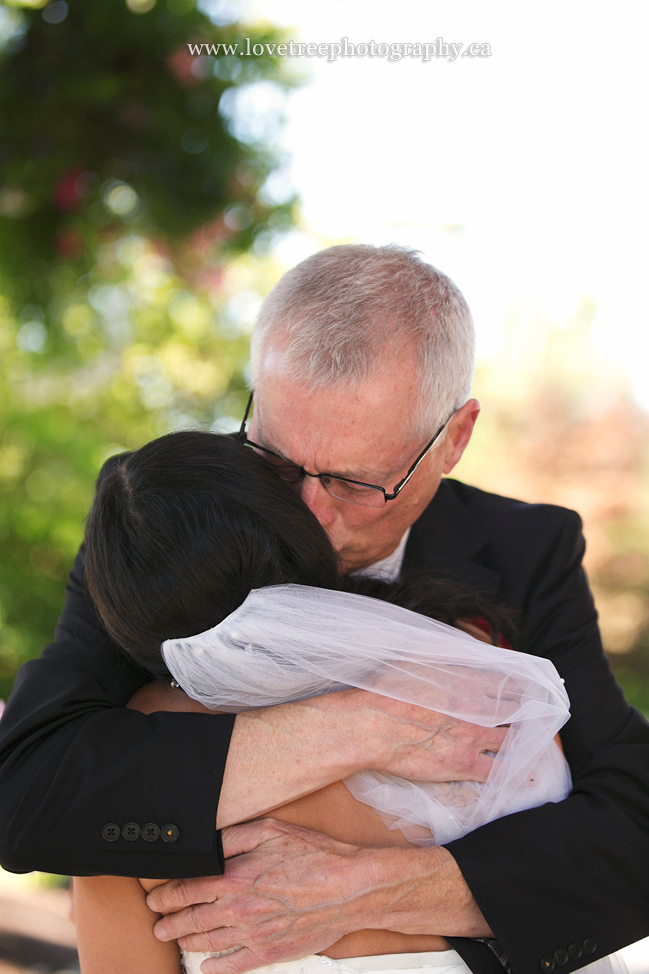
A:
(549, 880)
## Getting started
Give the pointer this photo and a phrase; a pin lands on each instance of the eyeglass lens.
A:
(340, 489)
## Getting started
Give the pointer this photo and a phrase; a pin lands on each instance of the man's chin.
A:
(350, 560)
(351, 557)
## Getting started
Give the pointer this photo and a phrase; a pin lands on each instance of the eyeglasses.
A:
(344, 489)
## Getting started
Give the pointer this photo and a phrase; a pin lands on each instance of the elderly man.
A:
(362, 363)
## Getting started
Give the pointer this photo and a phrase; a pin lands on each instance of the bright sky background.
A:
(521, 175)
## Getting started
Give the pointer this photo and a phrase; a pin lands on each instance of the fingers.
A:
(178, 893)
(485, 738)
(236, 963)
(493, 739)
(239, 839)
(463, 753)
(482, 768)
(193, 920)
(215, 941)
(474, 760)
(467, 742)
(466, 764)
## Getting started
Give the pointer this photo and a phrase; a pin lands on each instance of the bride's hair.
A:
(181, 530)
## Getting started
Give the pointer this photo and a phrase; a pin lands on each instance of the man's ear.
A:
(459, 433)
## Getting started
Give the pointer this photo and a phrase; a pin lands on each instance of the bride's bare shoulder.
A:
(153, 697)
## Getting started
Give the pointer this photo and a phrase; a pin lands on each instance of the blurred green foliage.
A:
(133, 176)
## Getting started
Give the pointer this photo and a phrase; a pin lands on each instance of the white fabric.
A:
(290, 642)
(441, 961)
(388, 568)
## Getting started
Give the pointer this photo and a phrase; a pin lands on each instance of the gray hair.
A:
(339, 314)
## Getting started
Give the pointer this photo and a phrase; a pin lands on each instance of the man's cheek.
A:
(358, 519)
(352, 531)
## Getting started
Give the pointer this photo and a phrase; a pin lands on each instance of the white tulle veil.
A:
(290, 642)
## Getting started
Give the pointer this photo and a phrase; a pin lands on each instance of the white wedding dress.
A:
(439, 962)
(291, 642)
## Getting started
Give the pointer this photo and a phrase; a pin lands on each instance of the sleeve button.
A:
(110, 832)
(575, 950)
(590, 945)
(561, 956)
(547, 963)
(131, 831)
(150, 832)
(169, 833)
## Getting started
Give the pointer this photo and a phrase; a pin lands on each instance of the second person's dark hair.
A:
(181, 530)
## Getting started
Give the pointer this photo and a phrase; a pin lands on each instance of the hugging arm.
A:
(73, 759)
(107, 904)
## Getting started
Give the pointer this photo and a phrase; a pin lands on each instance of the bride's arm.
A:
(114, 928)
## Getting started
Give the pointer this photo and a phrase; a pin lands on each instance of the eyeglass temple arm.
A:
(242, 429)
(397, 490)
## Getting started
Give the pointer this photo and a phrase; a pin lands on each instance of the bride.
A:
(214, 576)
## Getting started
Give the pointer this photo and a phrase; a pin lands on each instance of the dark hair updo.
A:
(182, 529)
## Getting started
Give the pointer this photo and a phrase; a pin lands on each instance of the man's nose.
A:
(318, 500)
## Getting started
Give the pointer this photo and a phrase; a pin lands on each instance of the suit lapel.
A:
(447, 541)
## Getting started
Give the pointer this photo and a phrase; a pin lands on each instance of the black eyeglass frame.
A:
(243, 437)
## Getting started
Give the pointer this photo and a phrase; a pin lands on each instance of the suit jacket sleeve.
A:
(73, 760)
(552, 878)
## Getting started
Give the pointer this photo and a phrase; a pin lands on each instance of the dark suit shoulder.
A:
(497, 545)
(464, 523)
(482, 503)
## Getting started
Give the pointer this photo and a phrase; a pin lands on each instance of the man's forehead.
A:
(338, 430)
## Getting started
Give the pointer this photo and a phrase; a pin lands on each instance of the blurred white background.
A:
(521, 174)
